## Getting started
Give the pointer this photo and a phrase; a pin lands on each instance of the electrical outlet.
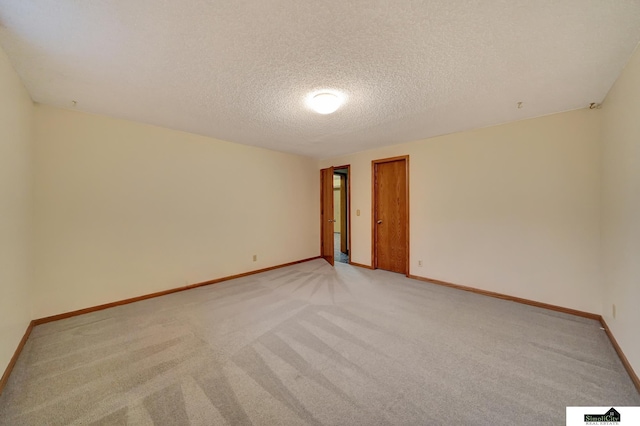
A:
(255, 257)
(420, 263)
(613, 310)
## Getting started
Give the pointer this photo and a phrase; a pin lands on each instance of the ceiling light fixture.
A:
(325, 102)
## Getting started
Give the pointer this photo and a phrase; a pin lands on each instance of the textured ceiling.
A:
(241, 70)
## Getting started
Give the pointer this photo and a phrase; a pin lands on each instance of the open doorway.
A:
(341, 222)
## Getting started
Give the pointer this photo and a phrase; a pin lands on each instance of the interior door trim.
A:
(348, 167)
(374, 260)
(326, 212)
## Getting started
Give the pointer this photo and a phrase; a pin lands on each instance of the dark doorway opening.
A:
(341, 214)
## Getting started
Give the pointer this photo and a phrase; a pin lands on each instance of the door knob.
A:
(379, 222)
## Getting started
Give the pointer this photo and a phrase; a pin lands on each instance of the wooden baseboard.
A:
(161, 293)
(360, 265)
(232, 277)
(510, 298)
(621, 355)
(14, 358)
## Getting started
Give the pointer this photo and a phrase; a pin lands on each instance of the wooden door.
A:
(326, 214)
(391, 214)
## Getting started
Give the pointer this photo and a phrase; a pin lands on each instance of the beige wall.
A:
(125, 209)
(621, 209)
(16, 117)
(512, 208)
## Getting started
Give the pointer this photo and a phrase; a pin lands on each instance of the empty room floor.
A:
(310, 344)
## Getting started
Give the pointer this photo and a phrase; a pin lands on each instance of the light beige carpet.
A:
(310, 344)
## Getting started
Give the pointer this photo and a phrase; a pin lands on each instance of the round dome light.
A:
(325, 103)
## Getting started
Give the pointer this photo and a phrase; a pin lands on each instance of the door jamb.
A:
(322, 217)
(348, 167)
(374, 258)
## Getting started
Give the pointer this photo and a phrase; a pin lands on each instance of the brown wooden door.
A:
(391, 214)
(326, 214)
